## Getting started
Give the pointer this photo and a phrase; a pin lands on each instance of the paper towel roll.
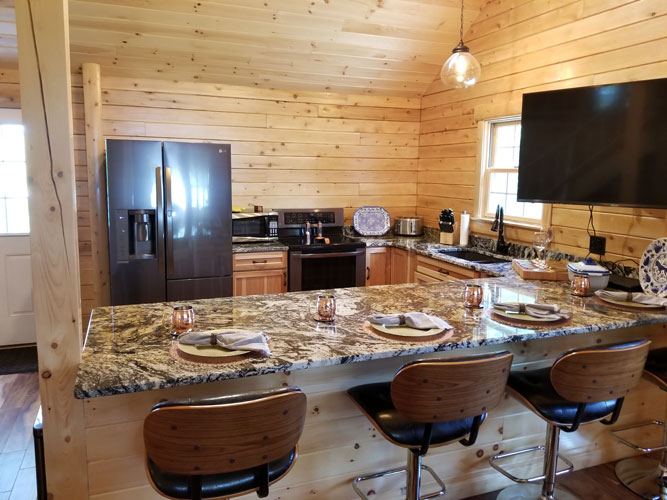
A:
(465, 228)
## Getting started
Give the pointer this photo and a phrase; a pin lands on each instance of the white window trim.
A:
(483, 181)
(11, 116)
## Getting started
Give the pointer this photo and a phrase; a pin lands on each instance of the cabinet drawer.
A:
(423, 278)
(257, 261)
(444, 271)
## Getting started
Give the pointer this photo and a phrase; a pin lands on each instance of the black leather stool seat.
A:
(375, 401)
(656, 365)
(535, 386)
(216, 485)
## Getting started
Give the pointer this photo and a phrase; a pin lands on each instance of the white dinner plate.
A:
(522, 317)
(627, 303)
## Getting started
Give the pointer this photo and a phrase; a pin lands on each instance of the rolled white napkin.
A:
(640, 298)
(229, 339)
(544, 311)
(417, 320)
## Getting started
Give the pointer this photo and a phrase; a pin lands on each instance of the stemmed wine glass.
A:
(541, 240)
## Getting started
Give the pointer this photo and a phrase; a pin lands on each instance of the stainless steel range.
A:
(320, 256)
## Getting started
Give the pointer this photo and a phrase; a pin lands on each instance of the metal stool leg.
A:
(547, 490)
(413, 483)
(644, 476)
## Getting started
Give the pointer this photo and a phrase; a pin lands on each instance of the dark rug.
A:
(18, 360)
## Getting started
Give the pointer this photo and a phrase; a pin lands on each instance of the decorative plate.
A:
(653, 268)
(371, 221)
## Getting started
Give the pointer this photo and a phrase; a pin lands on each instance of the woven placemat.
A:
(622, 307)
(400, 338)
(179, 355)
(527, 324)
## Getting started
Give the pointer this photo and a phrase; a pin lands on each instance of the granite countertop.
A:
(127, 347)
(264, 246)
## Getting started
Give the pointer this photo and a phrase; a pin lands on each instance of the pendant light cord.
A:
(461, 32)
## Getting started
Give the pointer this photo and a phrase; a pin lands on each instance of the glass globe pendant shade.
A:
(461, 69)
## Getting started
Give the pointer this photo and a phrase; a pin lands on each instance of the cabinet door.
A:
(402, 266)
(378, 266)
(260, 282)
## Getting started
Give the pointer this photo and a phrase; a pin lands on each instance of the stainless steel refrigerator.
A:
(169, 214)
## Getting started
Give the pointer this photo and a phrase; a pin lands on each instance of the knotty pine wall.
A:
(289, 149)
(529, 46)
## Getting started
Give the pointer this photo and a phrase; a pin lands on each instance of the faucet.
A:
(499, 226)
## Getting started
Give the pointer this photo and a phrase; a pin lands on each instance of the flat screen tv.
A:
(603, 145)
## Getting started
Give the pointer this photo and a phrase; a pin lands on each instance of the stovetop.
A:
(337, 243)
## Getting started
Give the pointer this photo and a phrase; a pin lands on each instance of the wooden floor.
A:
(19, 403)
(599, 483)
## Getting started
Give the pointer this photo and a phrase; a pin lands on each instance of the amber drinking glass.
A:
(581, 285)
(473, 295)
(325, 308)
(183, 318)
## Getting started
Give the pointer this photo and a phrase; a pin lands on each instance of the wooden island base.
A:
(338, 442)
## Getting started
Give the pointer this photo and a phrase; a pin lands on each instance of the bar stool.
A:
(432, 403)
(645, 476)
(575, 390)
(223, 447)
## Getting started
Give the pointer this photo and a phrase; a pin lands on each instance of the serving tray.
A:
(371, 221)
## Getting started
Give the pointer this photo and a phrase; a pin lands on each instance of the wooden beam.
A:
(92, 103)
(43, 40)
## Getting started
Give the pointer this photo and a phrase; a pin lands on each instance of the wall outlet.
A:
(597, 245)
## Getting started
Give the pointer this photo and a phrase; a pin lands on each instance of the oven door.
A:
(315, 271)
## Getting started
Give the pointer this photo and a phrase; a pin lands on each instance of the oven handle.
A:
(326, 255)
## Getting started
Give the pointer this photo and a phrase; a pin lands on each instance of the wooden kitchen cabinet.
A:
(431, 271)
(402, 266)
(258, 273)
(378, 266)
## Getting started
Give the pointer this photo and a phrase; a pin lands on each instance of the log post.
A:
(92, 104)
(43, 43)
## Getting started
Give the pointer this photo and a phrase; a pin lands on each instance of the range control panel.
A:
(299, 217)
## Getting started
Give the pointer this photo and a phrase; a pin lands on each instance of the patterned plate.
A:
(371, 221)
(653, 268)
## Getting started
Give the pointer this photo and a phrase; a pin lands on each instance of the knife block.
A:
(450, 238)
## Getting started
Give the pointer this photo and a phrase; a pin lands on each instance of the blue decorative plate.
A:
(653, 268)
(371, 221)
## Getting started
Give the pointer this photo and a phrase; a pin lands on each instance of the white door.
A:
(17, 322)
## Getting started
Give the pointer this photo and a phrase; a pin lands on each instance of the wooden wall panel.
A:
(288, 149)
(535, 46)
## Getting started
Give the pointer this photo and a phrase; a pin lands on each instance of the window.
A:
(13, 183)
(500, 174)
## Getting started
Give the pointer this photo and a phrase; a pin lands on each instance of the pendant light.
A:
(461, 69)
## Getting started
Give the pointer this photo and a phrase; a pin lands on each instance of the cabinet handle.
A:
(442, 271)
(285, 279)
(368, 273)
(260, 261)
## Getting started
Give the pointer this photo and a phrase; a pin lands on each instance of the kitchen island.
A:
(127, 367)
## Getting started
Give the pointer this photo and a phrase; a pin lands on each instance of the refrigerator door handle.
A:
(169, 222)
(159, 240)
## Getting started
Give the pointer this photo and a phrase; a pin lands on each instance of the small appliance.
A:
(249, 227)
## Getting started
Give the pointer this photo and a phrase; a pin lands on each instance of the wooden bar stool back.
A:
(432, 403)
(223, 447)
(582, 386)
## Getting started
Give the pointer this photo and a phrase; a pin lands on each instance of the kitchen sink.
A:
(472, 256)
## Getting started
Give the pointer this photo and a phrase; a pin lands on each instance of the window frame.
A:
(485, 154)
(12, 116)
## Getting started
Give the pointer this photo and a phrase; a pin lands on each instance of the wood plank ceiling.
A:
(376, 47)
